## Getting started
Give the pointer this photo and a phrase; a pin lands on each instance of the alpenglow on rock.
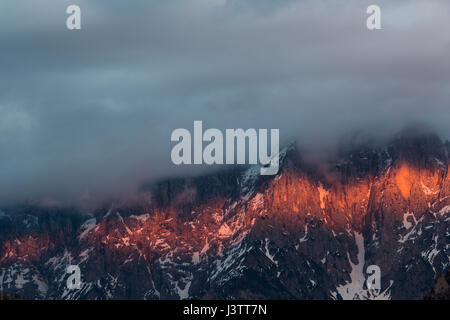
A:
(301, 234)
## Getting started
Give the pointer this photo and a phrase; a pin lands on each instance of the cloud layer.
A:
(90, 112)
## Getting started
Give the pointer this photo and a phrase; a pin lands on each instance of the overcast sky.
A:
(90, 112)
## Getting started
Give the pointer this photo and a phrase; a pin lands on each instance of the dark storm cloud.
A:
(91, 111)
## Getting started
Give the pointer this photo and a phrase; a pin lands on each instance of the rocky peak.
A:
(304, 233)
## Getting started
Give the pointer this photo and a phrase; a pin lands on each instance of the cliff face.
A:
(302, 234)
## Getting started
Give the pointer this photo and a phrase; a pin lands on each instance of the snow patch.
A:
(184, 293)
(87, 227)
(444, 210)
(305, 237)
(267, 252)
(351, 289)
(355, 288)
(407, 224)
(142, 217)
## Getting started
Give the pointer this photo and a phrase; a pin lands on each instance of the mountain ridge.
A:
(302, 234)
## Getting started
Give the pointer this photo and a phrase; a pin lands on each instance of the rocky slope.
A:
(441, 289)
(305, 233)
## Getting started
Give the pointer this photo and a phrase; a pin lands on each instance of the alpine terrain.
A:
(308, 232)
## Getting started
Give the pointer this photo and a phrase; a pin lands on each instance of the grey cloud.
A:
(91, 111)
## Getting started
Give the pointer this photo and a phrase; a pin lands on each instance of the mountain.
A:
(305, 233)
